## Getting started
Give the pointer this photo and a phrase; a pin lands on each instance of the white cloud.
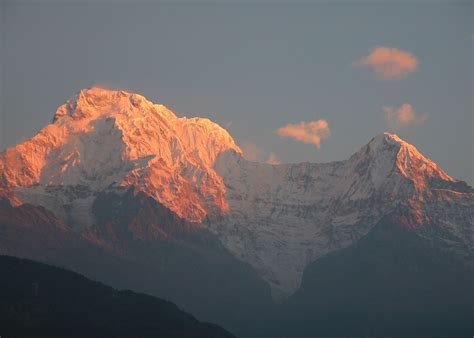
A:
(403, 116)
(311, 132)
(389, 63)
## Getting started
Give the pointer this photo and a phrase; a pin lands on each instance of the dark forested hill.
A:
(39, 300)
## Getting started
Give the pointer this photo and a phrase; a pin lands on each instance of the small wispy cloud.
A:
(403, 116)
(272, 159)
(389, 63)
(254, 153)
(251, 151)
(311, 132)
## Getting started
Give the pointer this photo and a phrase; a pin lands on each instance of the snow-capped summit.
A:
(105, 138)
(409, 161)
(277, 218)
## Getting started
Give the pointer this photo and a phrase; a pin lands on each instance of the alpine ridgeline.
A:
(118, 173)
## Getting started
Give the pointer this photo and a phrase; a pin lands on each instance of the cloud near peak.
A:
(403, 116)
(254, 153)
(272, 159)
(311, 132)
(389, 63)
(251, 151)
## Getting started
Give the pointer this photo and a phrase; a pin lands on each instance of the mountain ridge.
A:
(307, 210)
(277, 218)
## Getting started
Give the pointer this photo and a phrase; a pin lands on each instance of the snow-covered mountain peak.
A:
(94, 102)
(406, 159)
(104, 138)
(387, 143)
(130, 111)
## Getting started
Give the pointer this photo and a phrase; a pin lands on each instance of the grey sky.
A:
(259, 66)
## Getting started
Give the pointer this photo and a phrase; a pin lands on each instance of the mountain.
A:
(38, 300)
(141, 245)
(282, 217)
(125, 192)
(102, 139)
(389, 283)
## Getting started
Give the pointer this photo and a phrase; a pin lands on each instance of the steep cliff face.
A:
(277, 218)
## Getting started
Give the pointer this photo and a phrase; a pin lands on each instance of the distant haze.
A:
(290, 82)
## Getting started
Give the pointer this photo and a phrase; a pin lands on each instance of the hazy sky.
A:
(255, 69)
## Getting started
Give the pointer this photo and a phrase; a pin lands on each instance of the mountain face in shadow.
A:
(391, 283)
(184, 262)
(143, 246)
(38, 300)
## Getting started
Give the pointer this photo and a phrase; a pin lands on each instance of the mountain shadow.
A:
(391, 283)
(38, 300)
(180, 261)
(139, 244)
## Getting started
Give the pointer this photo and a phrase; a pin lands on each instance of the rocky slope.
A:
(277, 218)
